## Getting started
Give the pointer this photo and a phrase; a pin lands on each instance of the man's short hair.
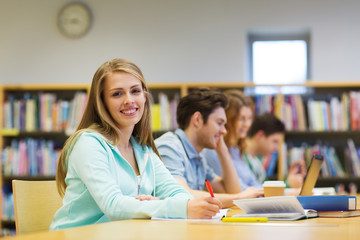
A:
(203, 100)
(268, 123)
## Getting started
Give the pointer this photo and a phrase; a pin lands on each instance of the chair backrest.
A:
(35, 203)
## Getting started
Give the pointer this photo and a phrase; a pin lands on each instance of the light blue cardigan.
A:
(102, 186)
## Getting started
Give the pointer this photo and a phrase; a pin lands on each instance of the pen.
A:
(209, 188)
(244, 219)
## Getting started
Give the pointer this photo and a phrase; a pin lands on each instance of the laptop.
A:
(312, 175)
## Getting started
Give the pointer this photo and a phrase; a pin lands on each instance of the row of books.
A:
(332, 115)
(30, 156)
(335, 114)
(163, 114)
(290, 109)
(332, 166)
(43, 112)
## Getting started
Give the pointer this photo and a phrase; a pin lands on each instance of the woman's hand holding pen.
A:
(203, 207)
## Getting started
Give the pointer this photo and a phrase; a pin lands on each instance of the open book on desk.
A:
(286, 208)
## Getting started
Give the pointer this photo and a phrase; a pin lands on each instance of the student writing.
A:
(109, 169)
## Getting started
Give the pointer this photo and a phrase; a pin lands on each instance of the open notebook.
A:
(217, 217)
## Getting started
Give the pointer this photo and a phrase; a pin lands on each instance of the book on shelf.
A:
(270, 163)
(300, 113)
(288, 118)
(291, 111)
(278, 109)
(163, 114)
(345, 111)
(354, 110)
(354, 158)
(285, 208)
(328, 203)
(77, 108)
(155, 117)
(173, 106)
(264, 104)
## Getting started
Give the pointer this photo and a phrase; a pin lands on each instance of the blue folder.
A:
(328, 203)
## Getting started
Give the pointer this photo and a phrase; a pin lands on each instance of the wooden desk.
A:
(312, 229)
(317, 229)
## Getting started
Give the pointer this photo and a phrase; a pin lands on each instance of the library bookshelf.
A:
(35, 122)
(311, 137)
(164, 120)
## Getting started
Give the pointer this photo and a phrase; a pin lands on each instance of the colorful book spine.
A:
(354, 158)
(155, 117)
(270, 170)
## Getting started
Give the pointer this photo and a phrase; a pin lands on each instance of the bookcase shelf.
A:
(35, 121)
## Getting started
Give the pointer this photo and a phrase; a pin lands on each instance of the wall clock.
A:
(74, 20)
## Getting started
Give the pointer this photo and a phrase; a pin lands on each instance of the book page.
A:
(283, 204)
(217, 217)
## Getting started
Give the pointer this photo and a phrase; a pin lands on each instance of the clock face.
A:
(74, 20)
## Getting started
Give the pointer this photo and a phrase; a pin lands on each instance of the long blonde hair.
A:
(237, 100)
(97, 118)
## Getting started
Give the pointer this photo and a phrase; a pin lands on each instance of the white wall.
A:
(172, 41)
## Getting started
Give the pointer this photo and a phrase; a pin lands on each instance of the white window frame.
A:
(253, 37)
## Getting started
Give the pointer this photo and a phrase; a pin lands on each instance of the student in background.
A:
(263, 138)
(201, 119)
(239, 116)
(110, 169)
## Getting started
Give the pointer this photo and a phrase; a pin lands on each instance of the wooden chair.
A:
(35, 203)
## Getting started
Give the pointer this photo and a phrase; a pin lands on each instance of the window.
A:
(279, 59)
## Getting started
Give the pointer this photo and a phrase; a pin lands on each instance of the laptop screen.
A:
(312, 175)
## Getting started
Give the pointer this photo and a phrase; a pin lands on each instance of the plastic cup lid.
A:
(274, 184)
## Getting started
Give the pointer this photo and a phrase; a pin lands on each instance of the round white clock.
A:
(74, 20)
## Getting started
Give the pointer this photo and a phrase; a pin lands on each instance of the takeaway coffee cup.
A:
(274, 188)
